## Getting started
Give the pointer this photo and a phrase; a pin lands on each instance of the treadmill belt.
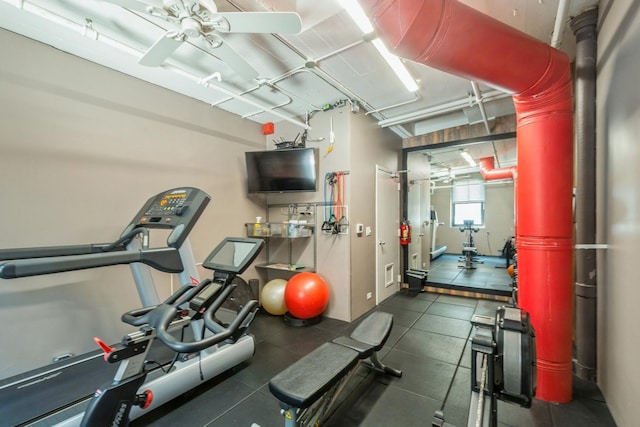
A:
(24, 399)
(32, 395)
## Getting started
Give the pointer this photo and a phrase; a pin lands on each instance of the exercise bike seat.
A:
(304, 382)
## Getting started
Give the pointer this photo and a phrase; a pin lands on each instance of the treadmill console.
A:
(177, 209)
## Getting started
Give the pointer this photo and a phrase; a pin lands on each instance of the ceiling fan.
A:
(200, 18)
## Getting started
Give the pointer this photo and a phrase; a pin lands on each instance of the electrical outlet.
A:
(369, 295)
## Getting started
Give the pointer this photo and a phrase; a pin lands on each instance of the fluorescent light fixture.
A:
(354, 10)
(362, 21)
(468, 158)
(396, 65)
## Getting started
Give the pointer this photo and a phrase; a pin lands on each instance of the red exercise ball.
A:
(306, 295)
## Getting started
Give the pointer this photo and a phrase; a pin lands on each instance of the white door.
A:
(387, 234)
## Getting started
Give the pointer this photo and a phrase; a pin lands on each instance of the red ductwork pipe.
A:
(488, 172)
(456, 38)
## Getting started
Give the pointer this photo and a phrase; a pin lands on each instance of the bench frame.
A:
(363, 343)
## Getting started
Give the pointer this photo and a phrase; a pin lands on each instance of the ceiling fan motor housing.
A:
(191, 27)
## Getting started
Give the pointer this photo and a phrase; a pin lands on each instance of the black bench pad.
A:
(374, 329)
(364, 350)
(302, 383)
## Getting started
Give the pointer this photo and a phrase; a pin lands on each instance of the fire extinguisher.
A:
(405, 233)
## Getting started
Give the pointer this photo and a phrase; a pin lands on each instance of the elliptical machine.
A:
(469, 250)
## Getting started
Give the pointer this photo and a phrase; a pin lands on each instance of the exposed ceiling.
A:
(448, 163)
(327, 62)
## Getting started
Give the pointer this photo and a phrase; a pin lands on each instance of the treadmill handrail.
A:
(12, 254)
(163, 259)
(68, 250)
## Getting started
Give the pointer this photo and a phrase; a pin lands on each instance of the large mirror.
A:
(460, 223)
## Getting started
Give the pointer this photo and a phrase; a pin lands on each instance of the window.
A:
(467, 202)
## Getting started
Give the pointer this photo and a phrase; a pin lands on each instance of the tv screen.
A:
(282, 171)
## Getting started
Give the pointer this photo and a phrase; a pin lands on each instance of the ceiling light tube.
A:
(468, 158)
(396, 65)
(356, 13)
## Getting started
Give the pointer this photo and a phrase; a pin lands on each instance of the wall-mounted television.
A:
(281, 171)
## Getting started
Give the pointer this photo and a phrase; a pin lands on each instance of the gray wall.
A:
(370, 146)
(332, 251)
(81, 148)
(346, 261)
(499, 218)
(618, 153)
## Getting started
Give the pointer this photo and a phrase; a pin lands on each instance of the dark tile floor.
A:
(489, 275)
(429, 342)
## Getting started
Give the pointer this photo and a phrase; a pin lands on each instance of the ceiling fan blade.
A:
(233, 59)
(162, 49)
(259, 22)
(137, 5)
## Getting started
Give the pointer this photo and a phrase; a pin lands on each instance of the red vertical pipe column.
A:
(455, 38)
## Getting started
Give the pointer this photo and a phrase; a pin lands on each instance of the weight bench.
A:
(308, 389)
(469, 254)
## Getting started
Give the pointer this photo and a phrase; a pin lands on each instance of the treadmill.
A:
(41, 393)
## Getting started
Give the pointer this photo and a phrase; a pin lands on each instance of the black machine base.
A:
(416, 279)
(292, 320)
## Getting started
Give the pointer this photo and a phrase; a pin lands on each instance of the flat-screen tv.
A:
(280, 171)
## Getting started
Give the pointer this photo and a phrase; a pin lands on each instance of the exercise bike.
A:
(469, 250)
(217, 347)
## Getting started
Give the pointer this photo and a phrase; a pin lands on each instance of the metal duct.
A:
(584, 28)
(455, 38)
(488, 172)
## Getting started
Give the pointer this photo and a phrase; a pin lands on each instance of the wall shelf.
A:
(282, 230)
(290, 240)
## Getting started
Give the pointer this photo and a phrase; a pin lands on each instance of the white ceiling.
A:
(327, 62)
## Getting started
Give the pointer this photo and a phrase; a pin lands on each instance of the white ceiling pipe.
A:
(207, 83)
(416, 97)
(561, 20)
(479, 101)
(440, 109)
(483, 113)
